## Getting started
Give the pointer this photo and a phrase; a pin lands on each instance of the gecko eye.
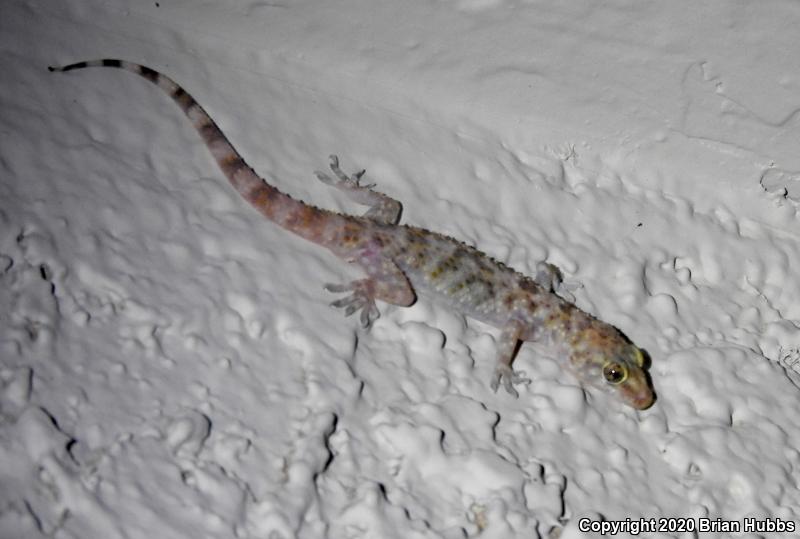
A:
(614, 372)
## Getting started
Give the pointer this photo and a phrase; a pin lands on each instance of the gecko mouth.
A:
(642, 401)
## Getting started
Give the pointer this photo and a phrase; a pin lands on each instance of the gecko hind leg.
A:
(386, 282)
(383, 208)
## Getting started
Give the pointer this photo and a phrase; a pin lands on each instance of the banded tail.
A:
(303, 219)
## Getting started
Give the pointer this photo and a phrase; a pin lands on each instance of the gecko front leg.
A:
(506, 347)
(383, 208)
(551, 278)
(386, 282)
(548, 276)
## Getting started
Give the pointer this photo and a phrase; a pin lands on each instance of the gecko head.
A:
(608, 361)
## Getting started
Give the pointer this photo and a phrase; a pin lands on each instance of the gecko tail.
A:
(238, 172)
(277, 206)
(92, 63)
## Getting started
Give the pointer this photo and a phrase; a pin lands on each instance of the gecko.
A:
(401, 262)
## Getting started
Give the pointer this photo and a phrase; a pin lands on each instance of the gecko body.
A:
(401, 261)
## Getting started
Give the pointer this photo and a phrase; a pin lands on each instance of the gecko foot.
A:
(548, 276)
(344, 182)
(509, 377)
(551, 278)
(362, 298)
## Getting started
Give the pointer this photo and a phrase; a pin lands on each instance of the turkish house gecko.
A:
(402, 261)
